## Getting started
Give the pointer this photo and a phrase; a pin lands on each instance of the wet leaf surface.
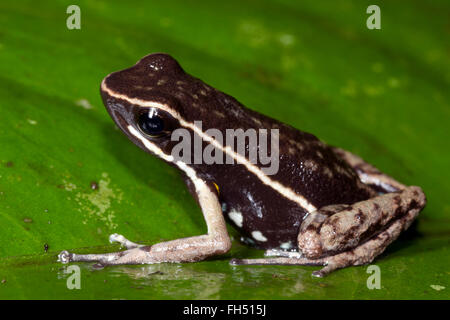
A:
(68, 178)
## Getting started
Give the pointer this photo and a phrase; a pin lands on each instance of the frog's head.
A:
(139, 100)
(153, 98)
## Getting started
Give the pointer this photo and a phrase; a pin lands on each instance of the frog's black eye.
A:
(151, 123)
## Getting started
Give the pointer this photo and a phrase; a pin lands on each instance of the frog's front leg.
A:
(215, 242)
(338, 236)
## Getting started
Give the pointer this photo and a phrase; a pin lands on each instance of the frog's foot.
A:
(136, 255)
(107, 258)
(181, 250)
(123, 241)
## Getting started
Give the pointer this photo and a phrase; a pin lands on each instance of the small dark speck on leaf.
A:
(45, 247)
(10, 164)
(27, 220)
(94, 185)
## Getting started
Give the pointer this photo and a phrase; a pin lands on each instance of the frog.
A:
(324, 206)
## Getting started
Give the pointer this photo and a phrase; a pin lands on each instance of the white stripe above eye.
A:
(277, 186)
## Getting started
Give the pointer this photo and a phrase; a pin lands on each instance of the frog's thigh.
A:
(216, 241)
(338, 228)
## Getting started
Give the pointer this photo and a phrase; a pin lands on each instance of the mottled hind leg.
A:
(369, 174)
(338, 236)
(351, 237)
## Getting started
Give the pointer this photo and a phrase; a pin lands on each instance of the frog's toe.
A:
(115, 237)
(64, 256)
(278, 261)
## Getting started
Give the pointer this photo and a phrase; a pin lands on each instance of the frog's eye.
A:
(151, 123)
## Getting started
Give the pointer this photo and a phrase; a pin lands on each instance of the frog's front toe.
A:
(64, 256)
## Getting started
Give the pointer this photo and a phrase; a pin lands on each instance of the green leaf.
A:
(382, 94)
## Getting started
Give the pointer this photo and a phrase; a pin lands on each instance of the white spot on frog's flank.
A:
(257, 235)
(237, 218)
(84, 104)
(32, 122)
(286, 245)
(255, 205)
(437, 287)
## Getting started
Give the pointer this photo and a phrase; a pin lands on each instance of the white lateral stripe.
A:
(285, 191)
(208, 201)
(152, 147)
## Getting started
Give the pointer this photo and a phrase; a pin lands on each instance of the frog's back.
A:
(307, 166)
(264, 212)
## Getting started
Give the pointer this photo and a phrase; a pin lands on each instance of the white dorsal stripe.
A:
(283, 190)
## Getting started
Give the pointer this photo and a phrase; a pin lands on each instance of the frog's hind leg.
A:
(359, 255)
(356, 234)
(368, 174)
(338, 236)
